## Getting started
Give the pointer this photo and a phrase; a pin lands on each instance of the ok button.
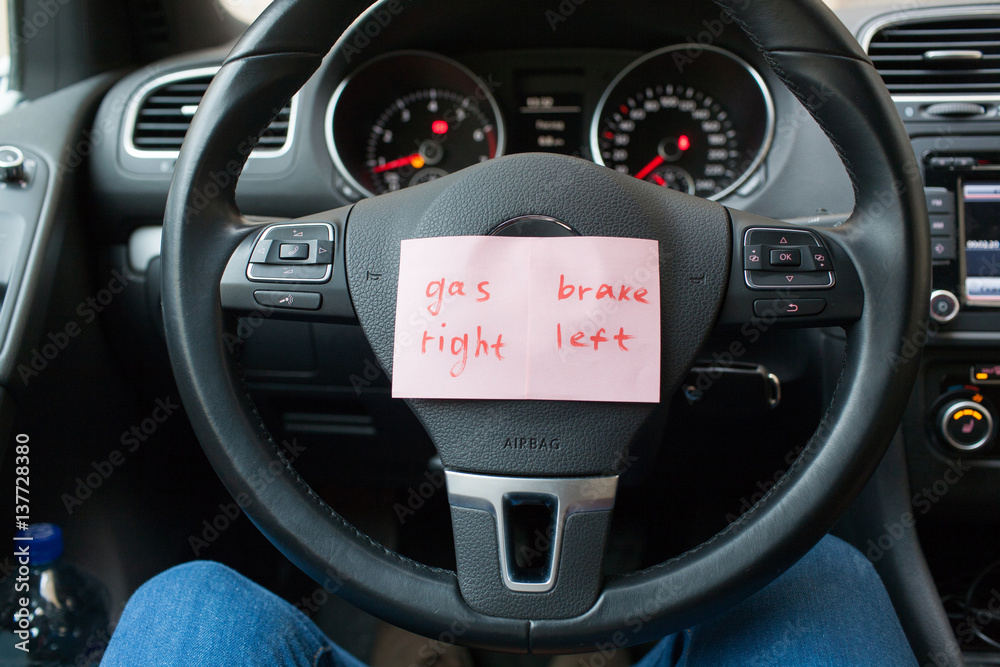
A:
(788, 257)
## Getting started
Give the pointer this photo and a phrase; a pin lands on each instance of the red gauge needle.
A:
(659, 180)
(412, 160)
(653, 164)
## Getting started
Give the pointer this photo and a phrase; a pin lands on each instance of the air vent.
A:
(161, 117)
(953, 55)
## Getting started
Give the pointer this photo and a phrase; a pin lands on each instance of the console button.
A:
(789, 307)
(965, 425)
(985, 374)
(941, 162)
(942, 248)
(290, 300)
(944, 306)
(939, 200)
(942, 225)
(789, 257)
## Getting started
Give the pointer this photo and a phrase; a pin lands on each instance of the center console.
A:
(962, 373)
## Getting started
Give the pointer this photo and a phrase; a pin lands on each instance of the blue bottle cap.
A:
(46, 543)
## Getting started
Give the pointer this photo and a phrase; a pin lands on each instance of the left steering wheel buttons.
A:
(288, 299)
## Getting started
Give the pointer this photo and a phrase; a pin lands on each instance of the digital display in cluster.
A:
(549, 114)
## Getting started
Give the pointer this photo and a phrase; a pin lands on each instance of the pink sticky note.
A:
(574, 318)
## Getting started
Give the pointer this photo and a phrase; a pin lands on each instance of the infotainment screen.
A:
(981, 266)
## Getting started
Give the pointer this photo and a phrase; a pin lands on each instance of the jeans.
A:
(830, 608)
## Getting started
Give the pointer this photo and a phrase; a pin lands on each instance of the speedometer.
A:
(698, 125)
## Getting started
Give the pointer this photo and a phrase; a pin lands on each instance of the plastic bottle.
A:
(65, 620)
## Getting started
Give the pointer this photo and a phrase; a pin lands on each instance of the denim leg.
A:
(829, 609)
(203, 613)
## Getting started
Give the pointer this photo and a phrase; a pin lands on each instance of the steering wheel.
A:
(875, 284)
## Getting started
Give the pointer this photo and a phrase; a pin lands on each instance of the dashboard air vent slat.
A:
(944, 55)
(165, 111)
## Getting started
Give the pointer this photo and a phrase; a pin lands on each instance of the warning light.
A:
(683, 142)
(439, 127)
(982, 376)
(417, 162)
(978, 398)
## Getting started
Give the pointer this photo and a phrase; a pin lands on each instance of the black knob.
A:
(944, 306)
(965, 425)
(11, 164)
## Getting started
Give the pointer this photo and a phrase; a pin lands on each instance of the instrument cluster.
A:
(699, 123)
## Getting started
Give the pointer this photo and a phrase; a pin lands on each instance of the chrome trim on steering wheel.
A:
(571, 495)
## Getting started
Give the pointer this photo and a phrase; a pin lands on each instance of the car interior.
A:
(201, 221)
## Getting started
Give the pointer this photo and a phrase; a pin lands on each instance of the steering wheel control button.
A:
(298, 251)
(943, 248)
(818, 259)
(944, 306)
(293, 252)
(965, 425)
(779, 237)
(774, 258)
(786, 257)
(289, 300)
(772, 280)
(788, 307)
(310, 231)
(296, 273)
(11, 164)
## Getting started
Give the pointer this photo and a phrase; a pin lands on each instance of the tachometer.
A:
(407, 118)
(699, 125)
(427, 134)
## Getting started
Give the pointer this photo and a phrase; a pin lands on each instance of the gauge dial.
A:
(425, 135)
(407, 118)
(675, 136)
(699, 126)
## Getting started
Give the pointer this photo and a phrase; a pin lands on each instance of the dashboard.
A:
(682, 99)
(678, 97)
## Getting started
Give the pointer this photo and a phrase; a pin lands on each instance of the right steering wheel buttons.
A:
(788, 307)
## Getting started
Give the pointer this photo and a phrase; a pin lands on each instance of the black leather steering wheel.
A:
(881, 264)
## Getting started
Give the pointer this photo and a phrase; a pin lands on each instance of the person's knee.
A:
(196, 577)
(834, 560)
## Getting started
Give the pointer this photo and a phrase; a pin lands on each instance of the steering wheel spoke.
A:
(790, 276)
(292, 270)
(530, 547)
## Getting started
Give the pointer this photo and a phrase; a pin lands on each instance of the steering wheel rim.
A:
(887, 240)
